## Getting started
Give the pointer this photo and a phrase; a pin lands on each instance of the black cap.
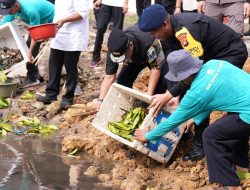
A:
(5, 6)
(117, 45)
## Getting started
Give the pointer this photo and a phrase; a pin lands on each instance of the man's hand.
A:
(140, 135)
(160, 100)
(97, 4)
(174, 102)
(246, 10)
(177, 10)
(98, 104)
(125, 8)
(60, 23)
(190, 124)
(201, 6)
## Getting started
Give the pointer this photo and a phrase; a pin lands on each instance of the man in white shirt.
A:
(108, 9)
(71, 38)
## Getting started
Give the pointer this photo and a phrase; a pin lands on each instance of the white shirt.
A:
(189, 5)
(114, 3)
(72, 36)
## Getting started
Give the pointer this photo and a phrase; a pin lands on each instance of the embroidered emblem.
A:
(189, 43)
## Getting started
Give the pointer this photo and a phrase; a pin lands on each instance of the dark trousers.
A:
(226, 145)
(52, 1)
(129, 73)
(32, 68)
(168, 4)
(104, 16)
(57, 59)
(141, 5)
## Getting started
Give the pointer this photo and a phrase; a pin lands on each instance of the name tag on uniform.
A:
(189, 43)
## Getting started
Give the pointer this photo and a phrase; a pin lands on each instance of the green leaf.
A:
(36, 121)
(53, 127)
(3, 77)
(243, 175)
(73, 152)
(4, 133)
(45, 131)
(3, 103)
(27, 95)
(6, 126)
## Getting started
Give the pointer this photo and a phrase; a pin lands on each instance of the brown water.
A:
(31, 162)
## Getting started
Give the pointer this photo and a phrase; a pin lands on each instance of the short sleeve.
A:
(111, 67)
(155, 55)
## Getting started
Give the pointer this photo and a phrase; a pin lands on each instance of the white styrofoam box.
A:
(119, 97)
(10, 37)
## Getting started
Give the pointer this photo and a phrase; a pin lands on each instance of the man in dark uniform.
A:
(136, 50)
(204, 38)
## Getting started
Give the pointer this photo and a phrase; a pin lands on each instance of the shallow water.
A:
(31, 162)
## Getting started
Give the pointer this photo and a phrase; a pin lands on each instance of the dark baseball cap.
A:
(181, 65)
(152, 18)
(5, 6)
(117, 45)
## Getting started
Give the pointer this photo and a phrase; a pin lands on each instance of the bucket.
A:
(8, 87)
(43, 31)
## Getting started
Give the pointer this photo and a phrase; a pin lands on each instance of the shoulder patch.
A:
(189, 43)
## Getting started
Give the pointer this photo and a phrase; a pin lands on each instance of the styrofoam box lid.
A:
(10, 37)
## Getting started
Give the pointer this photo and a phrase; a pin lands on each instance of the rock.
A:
(77, 112)
(104, 177)
(179, 169)
(199, 167)
(92, 171)
(52, 109)
(202, 183)
(39, 105)
(173, 165)
(194, 176)
(137, 179)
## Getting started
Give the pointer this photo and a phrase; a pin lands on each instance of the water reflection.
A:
(36, 163)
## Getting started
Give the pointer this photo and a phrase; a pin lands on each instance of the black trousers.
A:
(32, 68)
(141, 5)
(168, 4)
(104, 16)
(57, 59)
(226, 145)
(129, 73)
(52, 1)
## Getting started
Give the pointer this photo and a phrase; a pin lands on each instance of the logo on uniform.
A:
(182, 37)
(116, 53)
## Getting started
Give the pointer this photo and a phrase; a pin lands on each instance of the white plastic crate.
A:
(119, 97)
(10, 37)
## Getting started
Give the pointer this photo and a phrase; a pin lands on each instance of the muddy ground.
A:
(131, 169)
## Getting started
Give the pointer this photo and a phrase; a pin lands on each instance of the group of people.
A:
(196, 60)
(72, 21)
(195, 64)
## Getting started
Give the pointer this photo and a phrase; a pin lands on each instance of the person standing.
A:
(32, 13)
(168, 4)
(141, 5)
(232, 12)
(71, 38)
(211, 87)
(203, 37)
(107, 9)
(186, 6)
